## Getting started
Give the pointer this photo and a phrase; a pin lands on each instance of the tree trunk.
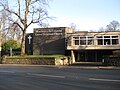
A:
(23, 44)
(25, 27)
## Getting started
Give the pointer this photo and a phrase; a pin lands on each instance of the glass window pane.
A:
(115, 41)
(100, 41)
(82, 38)
(90, 42)
(90, 38)
(82, 42)
(75, 37)
(107, 37)
(76, 42)
(99, 37)
(114, 36)
(106, 41)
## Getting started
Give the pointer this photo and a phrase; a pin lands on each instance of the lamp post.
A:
(0, 51)
(1, 26)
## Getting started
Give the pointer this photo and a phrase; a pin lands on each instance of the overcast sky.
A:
(86, 14)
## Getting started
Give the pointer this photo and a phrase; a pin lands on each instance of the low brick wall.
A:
(36, 61)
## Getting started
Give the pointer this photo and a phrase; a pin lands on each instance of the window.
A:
(82, 40)
(107, 40)
(66, 41)
(99, 37)
(114, 37)
(107, 37)
(90, 41)
(115, 40)
(76, 40)
(100, 40)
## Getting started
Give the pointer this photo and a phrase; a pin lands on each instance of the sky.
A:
(85, 14)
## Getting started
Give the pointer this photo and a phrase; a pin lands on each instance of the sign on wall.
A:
(50, 31)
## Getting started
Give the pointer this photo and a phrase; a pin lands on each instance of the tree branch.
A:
(21, 20)
(19, 7)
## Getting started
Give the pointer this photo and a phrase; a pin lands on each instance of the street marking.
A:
(110, 80)
(7, 72)
(43, 75)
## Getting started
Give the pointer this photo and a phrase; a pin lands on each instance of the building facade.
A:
(92, 46)
(50, 40)
(80, 45)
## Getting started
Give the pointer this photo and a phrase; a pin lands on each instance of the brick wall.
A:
(36, 61)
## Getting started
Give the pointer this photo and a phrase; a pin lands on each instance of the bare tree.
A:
(27, 12)
(101, 29)
(14, 32)
(113, 26)
(4, 23)
(73, 26)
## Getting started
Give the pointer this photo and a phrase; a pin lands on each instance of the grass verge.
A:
(37, 56)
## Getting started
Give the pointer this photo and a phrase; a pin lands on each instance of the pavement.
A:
(69, 66)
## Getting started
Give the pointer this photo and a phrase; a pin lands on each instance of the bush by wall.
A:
(112, 60)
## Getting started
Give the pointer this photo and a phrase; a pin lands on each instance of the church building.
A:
(82, 46)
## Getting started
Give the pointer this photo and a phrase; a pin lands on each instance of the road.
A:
(55, 78)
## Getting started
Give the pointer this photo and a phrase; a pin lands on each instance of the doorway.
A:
(80, 56)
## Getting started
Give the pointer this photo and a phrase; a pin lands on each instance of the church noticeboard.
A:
(48, 31)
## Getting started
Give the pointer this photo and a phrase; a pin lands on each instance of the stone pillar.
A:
(72, 56)
(119, 39)
(95, 40)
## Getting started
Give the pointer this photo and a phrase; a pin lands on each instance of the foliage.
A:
(10, 44)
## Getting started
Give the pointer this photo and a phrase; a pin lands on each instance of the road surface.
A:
(55, 78)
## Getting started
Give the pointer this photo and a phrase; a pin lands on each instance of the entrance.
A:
(91, 55)
(86, 56)
(80, 56)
